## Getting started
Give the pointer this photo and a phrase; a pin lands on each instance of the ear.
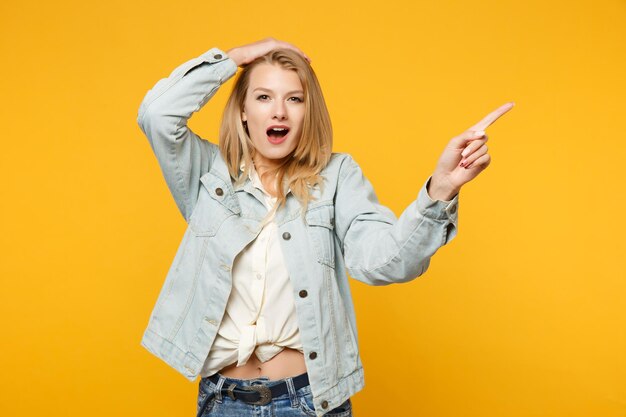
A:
(244, 118)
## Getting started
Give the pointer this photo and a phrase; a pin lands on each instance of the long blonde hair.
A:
(300, 170)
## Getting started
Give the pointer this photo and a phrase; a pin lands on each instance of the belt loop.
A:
(292, 393)
(218, 389)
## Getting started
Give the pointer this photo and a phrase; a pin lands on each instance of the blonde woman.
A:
(257, 301)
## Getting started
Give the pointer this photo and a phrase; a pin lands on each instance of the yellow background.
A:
(523, 314)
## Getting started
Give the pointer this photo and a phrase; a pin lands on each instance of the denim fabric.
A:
(295, 403)
(345, 230)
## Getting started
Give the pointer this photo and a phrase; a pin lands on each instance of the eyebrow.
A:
(270, 91)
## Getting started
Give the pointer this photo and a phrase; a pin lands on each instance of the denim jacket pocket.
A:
(320, 220)
(215, 204)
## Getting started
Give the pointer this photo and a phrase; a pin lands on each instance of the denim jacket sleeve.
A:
(182, 155)
(379, 248)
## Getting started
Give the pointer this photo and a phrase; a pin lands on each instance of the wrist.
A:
(441, 190)
(235, 55)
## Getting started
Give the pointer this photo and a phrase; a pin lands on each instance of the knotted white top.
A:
(260, 314)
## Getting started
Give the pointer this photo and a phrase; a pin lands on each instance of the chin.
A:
(275, 155)
(277, 152)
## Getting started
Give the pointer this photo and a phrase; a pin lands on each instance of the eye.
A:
(297, 99)
(261, 97)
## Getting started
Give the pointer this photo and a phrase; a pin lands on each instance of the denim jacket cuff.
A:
(225, 71)
(437, 209)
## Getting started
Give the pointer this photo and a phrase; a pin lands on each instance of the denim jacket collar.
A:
(219, 177)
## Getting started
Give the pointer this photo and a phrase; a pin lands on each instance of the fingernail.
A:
(480, 133)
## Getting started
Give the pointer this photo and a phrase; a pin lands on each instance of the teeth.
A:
(280, 129)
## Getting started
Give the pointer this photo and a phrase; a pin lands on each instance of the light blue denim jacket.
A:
(346, 231)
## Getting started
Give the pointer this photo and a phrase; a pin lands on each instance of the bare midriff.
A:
(288, 363)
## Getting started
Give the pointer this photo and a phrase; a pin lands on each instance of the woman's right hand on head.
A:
(245, 54)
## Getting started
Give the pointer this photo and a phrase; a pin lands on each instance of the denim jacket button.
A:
(286, 236)
(219, 191)
(453, 209)
(324, 404)
(217, 56)
(313, 355)
(303, 294)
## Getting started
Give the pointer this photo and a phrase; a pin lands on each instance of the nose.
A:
(280, 110)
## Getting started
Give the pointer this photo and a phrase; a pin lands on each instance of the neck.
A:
(262, 166)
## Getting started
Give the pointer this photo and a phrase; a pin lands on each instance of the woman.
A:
(257, 300)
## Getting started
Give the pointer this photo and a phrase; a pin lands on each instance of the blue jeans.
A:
(292, 404)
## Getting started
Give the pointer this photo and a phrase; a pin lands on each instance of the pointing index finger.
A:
(492, 117)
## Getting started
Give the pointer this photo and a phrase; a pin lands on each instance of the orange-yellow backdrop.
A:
(523, 314)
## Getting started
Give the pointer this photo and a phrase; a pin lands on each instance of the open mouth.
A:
(277, 134)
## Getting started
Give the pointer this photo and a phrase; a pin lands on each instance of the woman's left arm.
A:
(378, 247)
(381, 249)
